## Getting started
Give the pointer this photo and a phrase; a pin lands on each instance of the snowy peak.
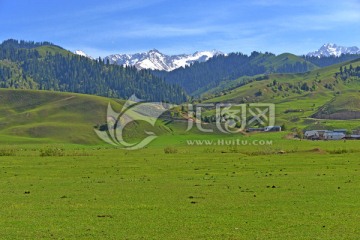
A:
(331, 49)
(81, 53)
(155, 60)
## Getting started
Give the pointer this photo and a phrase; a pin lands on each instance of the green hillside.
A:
(301, 98)
(50, 116)
(28, 116)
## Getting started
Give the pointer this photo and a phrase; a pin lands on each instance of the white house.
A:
(313, 134)
(334, 135)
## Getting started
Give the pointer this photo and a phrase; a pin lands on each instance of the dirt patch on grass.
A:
(289, 136)
(317, 150)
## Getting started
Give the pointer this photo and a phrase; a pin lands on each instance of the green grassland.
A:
(309, 191)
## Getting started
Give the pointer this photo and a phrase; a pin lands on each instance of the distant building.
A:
(325, 134)
(333, 135)
(313, 134)
(272, 129)
(336, 134)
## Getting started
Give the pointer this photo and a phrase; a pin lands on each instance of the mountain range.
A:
(331, 49)
(155, 60)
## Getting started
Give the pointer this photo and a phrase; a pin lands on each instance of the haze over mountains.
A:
(156, 60)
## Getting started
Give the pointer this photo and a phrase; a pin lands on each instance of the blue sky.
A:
(173, 26)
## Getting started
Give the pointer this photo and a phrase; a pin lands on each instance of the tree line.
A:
(347, 73)
(331, 60)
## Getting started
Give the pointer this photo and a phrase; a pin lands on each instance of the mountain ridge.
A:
(331, 49)
(156, 60)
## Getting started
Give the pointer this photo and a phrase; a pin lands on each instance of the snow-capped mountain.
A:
(331, 49)
(156, 60)
(81, 53)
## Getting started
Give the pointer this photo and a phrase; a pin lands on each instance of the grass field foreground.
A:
(309, 191)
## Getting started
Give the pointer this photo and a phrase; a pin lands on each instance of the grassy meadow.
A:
(288, 190)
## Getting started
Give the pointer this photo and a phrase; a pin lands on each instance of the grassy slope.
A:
(308, 102)
(50, 116)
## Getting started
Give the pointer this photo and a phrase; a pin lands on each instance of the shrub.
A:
(340, 151)
(52, 152)
(169, 150)
(7, 152)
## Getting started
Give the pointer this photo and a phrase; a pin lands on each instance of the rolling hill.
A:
(50, 116)
(29, 116)
(305, 99)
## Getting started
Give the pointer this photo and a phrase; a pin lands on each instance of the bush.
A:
(169, 150)
(340, 151)
(52, 152)
(7, 152)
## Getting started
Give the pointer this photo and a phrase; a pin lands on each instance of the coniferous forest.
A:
(44, 66)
